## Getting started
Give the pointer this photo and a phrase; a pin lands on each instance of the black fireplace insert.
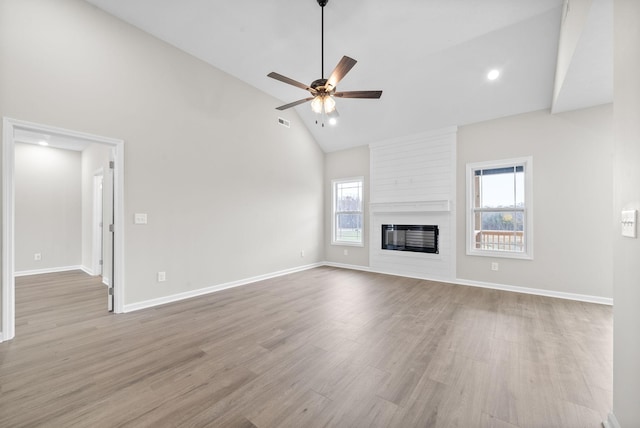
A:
(414, 237)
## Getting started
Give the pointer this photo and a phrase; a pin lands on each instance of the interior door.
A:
(98, 222)
(108, 229)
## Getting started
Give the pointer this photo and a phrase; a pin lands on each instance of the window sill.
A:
(500, 254)
(347, 244)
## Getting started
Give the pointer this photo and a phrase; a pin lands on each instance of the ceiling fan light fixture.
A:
(317, 104)
(329, 104)
(323, 90)
(323, 104)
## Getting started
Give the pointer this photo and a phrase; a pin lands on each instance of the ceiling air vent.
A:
(284, 122)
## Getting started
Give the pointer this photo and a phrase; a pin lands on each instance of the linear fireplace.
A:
(416, 238)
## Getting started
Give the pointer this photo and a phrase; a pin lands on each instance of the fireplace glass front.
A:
(416, 238)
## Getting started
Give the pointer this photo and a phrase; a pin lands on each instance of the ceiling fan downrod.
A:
(322, 4)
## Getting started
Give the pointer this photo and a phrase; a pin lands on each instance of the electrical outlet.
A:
(346, 252)
(629, 223)
(37, 257)
(162, 276)
(301, 253)
(495, 266)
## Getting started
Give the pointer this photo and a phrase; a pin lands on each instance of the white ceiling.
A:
(430, 57)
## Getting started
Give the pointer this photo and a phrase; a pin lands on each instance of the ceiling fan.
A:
(323, 91)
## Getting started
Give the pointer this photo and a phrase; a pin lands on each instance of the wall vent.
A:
(284, 122)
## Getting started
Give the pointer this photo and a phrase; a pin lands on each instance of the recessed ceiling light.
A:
(43, 143)
(333, 121)
(493, 74)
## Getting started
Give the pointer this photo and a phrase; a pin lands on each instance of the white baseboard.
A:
(611, 422)
(48, 270)
(384, 272)
(538, 292)
(346, 266)
(1, 337)
(207, 290)
(86, 270)
(494, 286)
(212, 289)
(106, 281)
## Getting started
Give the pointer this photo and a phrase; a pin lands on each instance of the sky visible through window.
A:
(501, 190)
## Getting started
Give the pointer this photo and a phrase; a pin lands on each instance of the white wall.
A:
(345, 164)
(626, 251)
(572, 192)
(229, 193)
(47, 207)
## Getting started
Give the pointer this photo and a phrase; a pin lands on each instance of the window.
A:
(347, 211)
(500, 208)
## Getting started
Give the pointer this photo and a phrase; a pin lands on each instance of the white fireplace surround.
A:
(438, 266)
(413, 182)
(410, 207)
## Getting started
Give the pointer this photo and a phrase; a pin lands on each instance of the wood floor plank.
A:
(325, 347)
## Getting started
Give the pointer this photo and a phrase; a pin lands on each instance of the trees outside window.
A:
(347, 224)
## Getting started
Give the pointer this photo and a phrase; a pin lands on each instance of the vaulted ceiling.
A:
(430, 57)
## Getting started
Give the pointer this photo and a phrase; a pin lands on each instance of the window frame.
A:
(527, 163)
(335, 213)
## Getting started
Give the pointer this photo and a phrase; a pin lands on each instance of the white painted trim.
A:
(106, 281)
(9, 126)
(1, 337)
(490, 285)
(333, 210)
(384, 272)
(50, 270)
(8, 220)
(212, 289)
(86, 270)
(347, 266)
(538, 292)
(528, 210)
(611, 422)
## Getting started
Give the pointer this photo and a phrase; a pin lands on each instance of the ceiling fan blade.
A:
(358, 94)
(293, 104)
(341, 70)
(285, 79)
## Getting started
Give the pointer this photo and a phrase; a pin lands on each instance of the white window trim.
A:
(528, 197)
(333, 212)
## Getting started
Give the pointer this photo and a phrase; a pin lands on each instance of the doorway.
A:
(12, 129)
(96, 230)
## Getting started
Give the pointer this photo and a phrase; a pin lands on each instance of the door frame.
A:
(9, 126)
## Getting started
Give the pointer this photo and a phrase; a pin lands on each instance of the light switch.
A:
(140, 218)
(628, 221)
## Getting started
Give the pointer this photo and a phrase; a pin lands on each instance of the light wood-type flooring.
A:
(324, 347)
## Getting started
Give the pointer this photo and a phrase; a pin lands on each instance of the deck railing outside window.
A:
(500, 240)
